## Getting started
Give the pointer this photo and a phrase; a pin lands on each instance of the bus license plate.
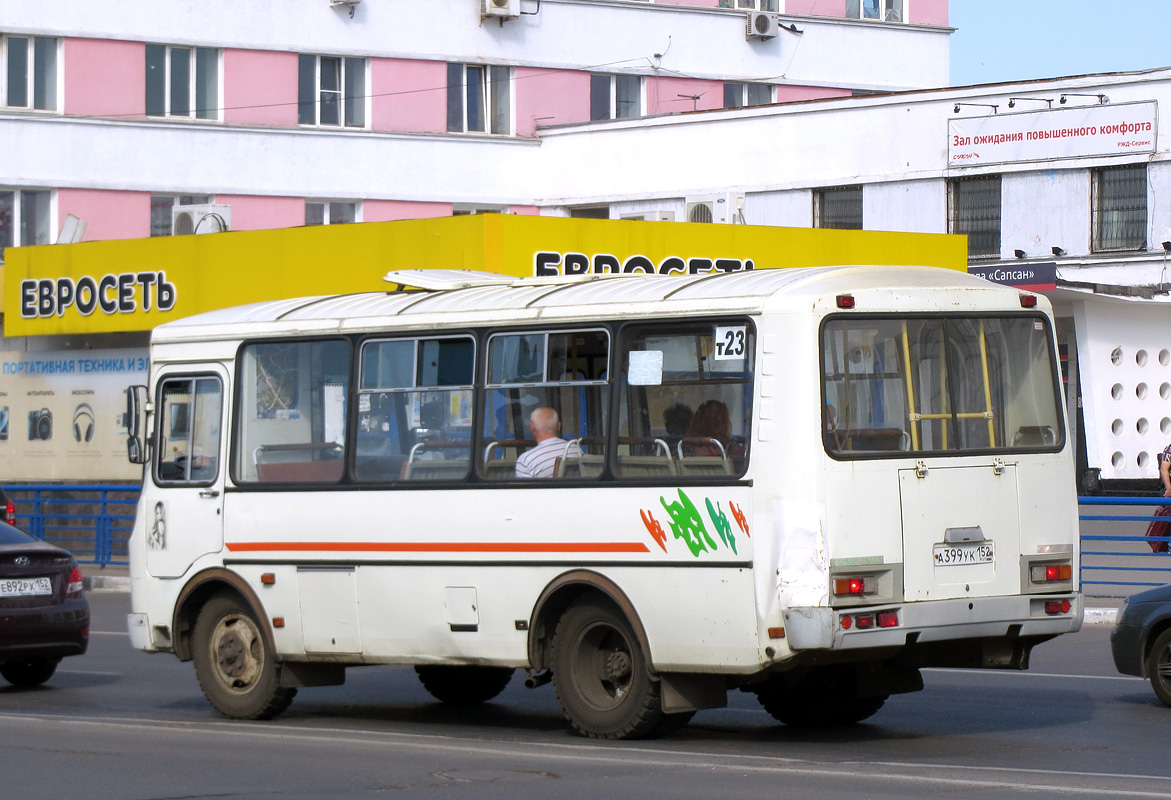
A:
(25, 587)
(949, 555)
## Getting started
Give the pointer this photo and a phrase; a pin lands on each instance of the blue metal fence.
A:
(92, 521)
(1117, 558)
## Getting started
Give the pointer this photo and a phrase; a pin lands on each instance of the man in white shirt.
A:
(540, 461)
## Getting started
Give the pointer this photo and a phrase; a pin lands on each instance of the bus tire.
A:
(601, 675)
(826, 697)
(237, 672)
(464, 686)
(1159, 667)
(26, 673)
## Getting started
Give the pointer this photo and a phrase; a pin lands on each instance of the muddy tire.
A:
(825, 698)
(602, 677)
(1159, 667)
(237, 671)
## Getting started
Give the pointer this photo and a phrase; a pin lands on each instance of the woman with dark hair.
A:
(710, 422)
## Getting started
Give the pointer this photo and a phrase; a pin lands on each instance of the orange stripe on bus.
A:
(441, 547)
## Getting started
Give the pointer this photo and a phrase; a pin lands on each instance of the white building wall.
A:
(787, 209)
(600, 35)
(913, 206)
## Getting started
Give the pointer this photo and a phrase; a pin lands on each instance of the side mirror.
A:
(136, 449)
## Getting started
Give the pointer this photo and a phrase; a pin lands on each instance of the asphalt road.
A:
(121, 724)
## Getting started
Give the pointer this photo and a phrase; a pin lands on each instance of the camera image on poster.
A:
(3, 423)
(40, 425)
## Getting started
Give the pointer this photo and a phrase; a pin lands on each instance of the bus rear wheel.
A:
(237, 671)
(601, 676)
(826, 697)
(464, 686)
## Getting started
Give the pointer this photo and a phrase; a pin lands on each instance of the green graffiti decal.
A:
(721, 524)
(687, 524)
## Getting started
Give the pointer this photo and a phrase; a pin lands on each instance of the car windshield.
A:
(11, 535)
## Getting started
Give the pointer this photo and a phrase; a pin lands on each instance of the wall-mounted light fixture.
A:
(1019, 253)
(979, 105)
(1058, 251)
(1048, 101)
(1102, 99)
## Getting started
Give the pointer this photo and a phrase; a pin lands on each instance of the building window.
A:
(331, 91)
(615, 97)
(24, 218)
(886, 10)
(31, 62)
(974, 210)
(182, 82)
(330, 212)
(590, 212)
(162, 207)
(1119, 203)
(838, 207)
(753, 5)
(739, 95)
(479, 99)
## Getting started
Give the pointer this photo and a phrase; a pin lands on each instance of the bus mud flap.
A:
(304, 673)
(683, 692)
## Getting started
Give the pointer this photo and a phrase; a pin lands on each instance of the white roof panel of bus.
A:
(754, 289)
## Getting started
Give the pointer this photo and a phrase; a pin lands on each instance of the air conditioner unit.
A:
(762, 25)
(724, 208)
(209, 218)
(499, 9)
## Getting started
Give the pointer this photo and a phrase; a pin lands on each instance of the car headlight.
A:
(1121, 610)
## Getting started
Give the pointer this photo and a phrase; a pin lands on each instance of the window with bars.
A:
(752, 5)
(615, 97)
(31, 64)
(479, 99)
(331, 91)
(838, 207)
(182, 82)
(739, 95)
(974, 210)
(1119, 208)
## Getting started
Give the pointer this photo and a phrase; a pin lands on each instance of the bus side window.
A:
(691, 416)
(562, 370)
(190, 410)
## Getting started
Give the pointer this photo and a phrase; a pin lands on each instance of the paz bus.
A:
(805, 483)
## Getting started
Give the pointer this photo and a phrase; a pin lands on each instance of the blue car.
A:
(1141, 639)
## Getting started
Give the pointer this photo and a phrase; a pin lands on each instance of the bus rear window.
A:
(939, 384)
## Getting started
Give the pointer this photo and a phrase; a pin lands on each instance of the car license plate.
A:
(950, 555)
(25, 587)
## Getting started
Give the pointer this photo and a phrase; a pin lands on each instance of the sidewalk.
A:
(1098, 611)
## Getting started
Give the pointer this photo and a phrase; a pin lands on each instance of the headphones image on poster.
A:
(83, 423)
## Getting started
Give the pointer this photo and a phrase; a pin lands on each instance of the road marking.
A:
(1015, 780)
(1028, 674)
(109, 633)
(86, 672)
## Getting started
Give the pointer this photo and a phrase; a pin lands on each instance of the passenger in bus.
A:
(711, 422)
(541, 461)
(677, 419)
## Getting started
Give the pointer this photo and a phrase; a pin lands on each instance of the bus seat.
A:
(870, 438)
(453, 470)
(1034, 436)
(705, 465)
(646, 466)
(500, 469)
(584, 466)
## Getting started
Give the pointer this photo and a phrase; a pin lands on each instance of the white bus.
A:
(808, 484)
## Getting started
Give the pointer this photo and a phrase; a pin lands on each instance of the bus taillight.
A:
(1058, 607)
(888, 619)
(1045, 573)
(844, 587)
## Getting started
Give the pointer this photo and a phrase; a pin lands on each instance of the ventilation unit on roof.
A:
(499, 9)
(205, 218)
(762, 25)
(725, 208)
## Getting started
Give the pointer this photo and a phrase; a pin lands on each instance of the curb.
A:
(1099, 616)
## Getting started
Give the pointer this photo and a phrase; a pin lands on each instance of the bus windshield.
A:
(923, 384)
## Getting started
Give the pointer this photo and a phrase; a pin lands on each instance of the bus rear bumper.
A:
(901, 624)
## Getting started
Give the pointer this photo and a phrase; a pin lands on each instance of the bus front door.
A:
(185, 509)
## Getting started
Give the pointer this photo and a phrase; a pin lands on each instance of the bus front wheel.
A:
(237, 671)
(601, 675)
